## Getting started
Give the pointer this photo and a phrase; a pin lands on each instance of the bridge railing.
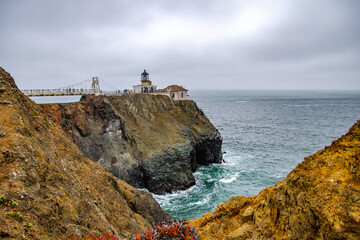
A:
(111, 93)
(57, 92)
(67, 92)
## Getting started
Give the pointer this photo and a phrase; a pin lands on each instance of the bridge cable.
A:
(108, 84)
(77, 84)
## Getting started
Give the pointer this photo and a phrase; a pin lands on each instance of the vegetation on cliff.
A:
(49, 189)
(172, 230)
(147, 140)
(319, 199)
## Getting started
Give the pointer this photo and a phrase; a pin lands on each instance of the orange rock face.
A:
(49, 189)
(319, 199)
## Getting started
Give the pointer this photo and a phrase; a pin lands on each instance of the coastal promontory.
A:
(49, 189)
(149, 141)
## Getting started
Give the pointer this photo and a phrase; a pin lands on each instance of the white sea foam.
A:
(231, 179)
(231, 158)
(230, 162)
(165, 198)
(201, 202)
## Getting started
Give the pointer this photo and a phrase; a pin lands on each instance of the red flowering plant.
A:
(175, 230)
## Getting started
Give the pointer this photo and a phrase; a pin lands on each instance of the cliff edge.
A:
(319, 199)
(49, 189)
(149, 141)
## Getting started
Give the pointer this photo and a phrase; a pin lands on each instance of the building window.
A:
(182, 95)
(173, 95)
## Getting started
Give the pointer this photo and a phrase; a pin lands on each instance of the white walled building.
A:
(175, 92)
(146, 85)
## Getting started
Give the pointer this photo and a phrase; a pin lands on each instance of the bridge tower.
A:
(95, 86)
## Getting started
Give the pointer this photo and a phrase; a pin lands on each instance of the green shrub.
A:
(11, 213)
(2, 198)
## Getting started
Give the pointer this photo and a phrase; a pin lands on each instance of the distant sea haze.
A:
(56, 99)
(265, 135)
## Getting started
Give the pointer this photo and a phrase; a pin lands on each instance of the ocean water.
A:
(56, 99)
(265, 135)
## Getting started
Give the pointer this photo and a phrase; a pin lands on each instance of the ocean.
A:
(265, 135)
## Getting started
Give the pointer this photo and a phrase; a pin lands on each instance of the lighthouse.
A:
(146, 85)
(145, 80)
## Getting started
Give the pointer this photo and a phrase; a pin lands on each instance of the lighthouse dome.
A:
(144, 73)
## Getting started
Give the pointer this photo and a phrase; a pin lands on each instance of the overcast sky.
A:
(200, 44)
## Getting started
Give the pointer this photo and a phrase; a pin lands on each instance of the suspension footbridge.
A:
(74, 89)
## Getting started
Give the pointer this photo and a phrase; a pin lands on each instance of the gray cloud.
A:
(298, 44)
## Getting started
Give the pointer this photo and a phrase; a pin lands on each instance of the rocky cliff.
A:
(49, 189)
(150, 141)
(319, 199)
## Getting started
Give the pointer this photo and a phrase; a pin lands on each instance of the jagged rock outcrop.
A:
(49, 189)
(319, 199)
(147, 140)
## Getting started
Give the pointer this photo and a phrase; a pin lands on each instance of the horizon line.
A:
(256, 89)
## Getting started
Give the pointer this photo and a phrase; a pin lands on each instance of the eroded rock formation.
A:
(49, 189)
(147, 140)
(319, 199)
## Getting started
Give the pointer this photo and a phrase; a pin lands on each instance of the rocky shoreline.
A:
(319, 199)
(149, 141)
(49, 189)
